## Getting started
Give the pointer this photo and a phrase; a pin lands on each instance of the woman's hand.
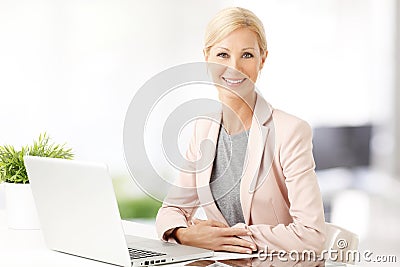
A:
(216, 236)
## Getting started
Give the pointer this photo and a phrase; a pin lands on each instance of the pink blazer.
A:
(279, 192)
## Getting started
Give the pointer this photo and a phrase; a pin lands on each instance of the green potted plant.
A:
(21, 212)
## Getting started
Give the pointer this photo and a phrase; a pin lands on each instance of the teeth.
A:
(233, 81)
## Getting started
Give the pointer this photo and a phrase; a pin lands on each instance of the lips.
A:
(233, 81)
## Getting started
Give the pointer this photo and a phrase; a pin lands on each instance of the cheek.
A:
(215, 71)
(252, 70)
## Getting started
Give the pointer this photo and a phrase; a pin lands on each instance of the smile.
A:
(233, 81)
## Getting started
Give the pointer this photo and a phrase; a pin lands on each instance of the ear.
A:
(263, 58)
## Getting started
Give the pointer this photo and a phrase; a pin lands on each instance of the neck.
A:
(237, 112)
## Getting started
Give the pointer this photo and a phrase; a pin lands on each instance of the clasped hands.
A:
(214, 235)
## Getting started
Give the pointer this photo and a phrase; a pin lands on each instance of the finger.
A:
(217, 224)
(235, 232)
(236, 241)
(236, 249)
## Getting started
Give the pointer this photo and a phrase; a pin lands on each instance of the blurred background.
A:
(71, 68)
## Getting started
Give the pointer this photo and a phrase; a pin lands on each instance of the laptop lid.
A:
(77, 209)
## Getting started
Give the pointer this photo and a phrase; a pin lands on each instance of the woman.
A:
(266, 194)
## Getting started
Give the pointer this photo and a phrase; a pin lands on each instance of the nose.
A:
(234, 65)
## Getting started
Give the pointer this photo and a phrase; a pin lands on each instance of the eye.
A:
(247, 55)
(222, 55)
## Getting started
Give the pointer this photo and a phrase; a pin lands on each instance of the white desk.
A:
(27, 248)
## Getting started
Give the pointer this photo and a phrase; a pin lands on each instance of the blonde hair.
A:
(230, 19)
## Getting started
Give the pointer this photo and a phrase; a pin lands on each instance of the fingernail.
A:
(253, 247)
(249, 251)
(249, 233)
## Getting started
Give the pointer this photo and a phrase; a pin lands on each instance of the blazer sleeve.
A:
(182, 200)
(306, 231)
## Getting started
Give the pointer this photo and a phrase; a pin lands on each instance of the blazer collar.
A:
(261, 134)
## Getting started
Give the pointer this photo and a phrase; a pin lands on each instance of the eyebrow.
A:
(247, 48)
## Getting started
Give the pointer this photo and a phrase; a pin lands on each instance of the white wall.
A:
(396, 100)
(332, 62)
(72, 67)
(329, 61)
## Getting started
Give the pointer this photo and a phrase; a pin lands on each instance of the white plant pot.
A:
(20, 207)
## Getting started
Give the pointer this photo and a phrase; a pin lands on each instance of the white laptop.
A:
(79, 215)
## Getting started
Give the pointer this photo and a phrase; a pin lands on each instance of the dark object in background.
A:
(345, 146)
(341, 147)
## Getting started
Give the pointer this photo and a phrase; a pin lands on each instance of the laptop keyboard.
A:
(140, 253)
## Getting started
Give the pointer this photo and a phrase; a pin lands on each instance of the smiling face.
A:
(239, 61)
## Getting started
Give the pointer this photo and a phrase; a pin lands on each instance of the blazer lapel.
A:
(203, 178)
(260, 131)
